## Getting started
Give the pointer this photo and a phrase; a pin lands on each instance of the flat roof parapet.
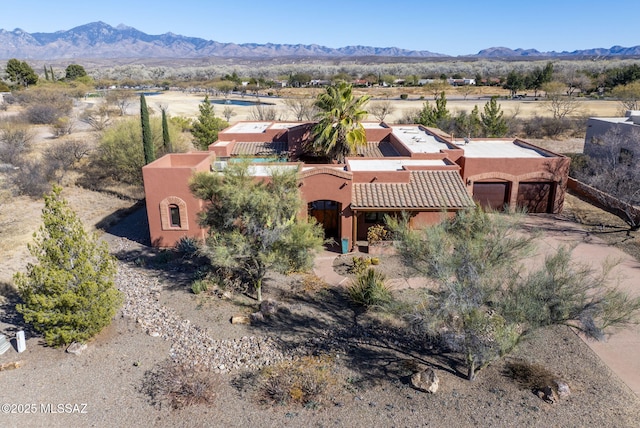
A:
(391, 164)
(418, 140)
(495, 148)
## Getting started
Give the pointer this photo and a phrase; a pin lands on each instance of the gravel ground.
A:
(161, 320)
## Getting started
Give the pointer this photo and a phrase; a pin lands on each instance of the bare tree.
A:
(612, 168)
(225, 87)
(61, 157)
(120, 98)
(381, 109)
(228, 113)
(466, 90)
(301, 108)
(436, 87)
(628, 95)
(557, 102)
(263, 112)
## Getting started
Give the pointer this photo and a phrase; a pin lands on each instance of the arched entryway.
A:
(327, 213)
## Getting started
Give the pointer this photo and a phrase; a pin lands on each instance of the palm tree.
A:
(339, 133)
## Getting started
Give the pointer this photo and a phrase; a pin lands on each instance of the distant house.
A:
(461, 82)
(319, 82)
(420, 171)
(620, 133)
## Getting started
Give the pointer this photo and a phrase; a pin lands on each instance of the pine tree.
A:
(205, 129)
(492, 121)
(147, 139)
(166, 140)
(68, 294)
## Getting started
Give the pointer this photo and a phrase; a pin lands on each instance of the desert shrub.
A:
(187, 246)
(404, 96)
(311, 283)
(182, 123)
(368, 289)
(42, 114)
(377, 233)
(60, 157)
(307, 381)
(532, 128)
(359, 265)
(579, 163)
(163, 257)
(31, 179)
(199, 286)
(62, 126)
(15, 142)
(98, 118)
(179, 386)
(120, 154)
(43, 105)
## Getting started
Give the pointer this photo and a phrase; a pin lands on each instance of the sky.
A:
(453, 28)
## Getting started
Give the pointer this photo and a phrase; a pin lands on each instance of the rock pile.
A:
(191, 345)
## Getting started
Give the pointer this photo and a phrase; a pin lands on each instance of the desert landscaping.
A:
(359, 365)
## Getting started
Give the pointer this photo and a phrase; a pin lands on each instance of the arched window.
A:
(173, 214)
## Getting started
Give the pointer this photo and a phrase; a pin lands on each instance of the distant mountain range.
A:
(100, 40)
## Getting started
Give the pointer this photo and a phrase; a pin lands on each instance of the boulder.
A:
(240, 319)
(76, 348)
(256, 317)
(563, 389)
(547, 393)
(11, 366)
(552, 393)
(425, 381)
(268, 307)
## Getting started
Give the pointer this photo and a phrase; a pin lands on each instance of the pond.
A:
(149, 94)
(240, 102)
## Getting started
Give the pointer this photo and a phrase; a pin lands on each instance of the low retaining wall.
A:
(604, 200)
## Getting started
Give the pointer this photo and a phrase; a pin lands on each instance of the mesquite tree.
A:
(253, 224)
(486, 300)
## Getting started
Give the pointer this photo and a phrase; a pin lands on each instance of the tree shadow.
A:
(129, 223)
(9, 315)
(327, 323)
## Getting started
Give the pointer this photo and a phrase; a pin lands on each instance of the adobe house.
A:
(403, 168)
(618, 134)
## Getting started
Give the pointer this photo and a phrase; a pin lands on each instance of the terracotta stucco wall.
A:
(167, 179)
(516, 170)
(317, 186)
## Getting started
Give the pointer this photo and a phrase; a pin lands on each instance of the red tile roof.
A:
(377, 149)
(426, 189)
(270, 148)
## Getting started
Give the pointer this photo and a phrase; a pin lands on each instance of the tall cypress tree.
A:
(166, 140)
(147, 140)
(53, 76)
(46, 73)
